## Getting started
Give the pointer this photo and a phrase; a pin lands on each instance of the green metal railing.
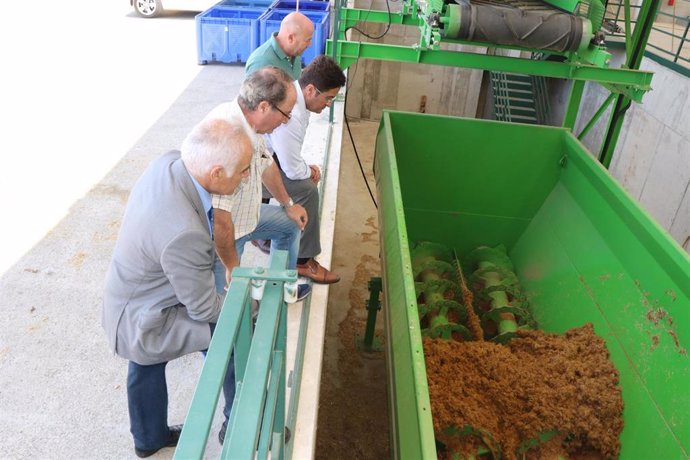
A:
(234, 333)
(673, 44)
(257, 421)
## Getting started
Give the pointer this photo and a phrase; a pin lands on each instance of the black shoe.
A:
(175, 431)
(221, 433)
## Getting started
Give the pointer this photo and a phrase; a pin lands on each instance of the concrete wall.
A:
(652, 159)
(374, 86)
(652, 156)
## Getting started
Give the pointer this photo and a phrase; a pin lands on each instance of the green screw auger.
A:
(499, 300)
(439, 298)
(440, 310)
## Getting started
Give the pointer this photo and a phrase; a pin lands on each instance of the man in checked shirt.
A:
(265, 101)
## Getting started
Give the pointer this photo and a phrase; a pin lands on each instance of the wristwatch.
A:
(289, 204)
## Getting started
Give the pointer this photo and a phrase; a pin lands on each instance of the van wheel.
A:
(148, 8)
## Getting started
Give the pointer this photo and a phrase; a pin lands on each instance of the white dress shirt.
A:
(286, 140)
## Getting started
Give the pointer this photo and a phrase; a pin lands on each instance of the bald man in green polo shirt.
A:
(284, 49)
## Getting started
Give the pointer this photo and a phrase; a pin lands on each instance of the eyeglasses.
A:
(286, 115)
(329, 99)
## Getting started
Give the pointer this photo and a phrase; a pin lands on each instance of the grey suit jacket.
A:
(159, 292)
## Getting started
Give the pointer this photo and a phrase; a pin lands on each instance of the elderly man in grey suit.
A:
(160, 299)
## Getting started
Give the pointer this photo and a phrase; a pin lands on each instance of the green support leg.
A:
(635, 51)
(596, 116)
(370, 341)
(573, 104)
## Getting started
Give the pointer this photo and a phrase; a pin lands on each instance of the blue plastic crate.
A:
(303, 5)
(270, 22)
(227, 33)
(246, 3)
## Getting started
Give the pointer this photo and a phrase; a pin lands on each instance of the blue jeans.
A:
(275, 225)
(147, 401)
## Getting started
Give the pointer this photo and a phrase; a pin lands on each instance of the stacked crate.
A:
(230, 30)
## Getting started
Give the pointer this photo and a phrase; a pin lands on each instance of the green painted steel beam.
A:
(628, 28)
(635, 52)
(197, 426)
(243, 435)
(280, 423)
(350, 16)
(269, 417)
(565, 5)
(412, 430)
(233, 333)
(596, 116)
(573, 104)
(633, 82)
(297, 368)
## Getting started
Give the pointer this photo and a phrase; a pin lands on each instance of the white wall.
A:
(652, 156)
(374, 86)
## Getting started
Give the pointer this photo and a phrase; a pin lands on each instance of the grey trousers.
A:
(306, 193)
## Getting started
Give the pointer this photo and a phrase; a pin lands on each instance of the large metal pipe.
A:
(506, 25)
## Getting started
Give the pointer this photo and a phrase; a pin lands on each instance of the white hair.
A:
(213, 142)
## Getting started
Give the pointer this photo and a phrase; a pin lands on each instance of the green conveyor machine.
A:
(579, 248)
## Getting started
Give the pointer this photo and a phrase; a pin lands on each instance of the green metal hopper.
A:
(582, 248)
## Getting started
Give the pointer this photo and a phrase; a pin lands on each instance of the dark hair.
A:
(324, 73)
(266, 84)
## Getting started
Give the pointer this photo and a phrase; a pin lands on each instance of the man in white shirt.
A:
(316, 88)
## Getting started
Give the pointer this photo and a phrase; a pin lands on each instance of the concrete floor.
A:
(353, 413)
(81, 86)
(62, 393)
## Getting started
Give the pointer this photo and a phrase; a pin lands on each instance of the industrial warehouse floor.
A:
(62, 392)
(353, 415)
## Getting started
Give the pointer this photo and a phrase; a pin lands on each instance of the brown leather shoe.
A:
(316, 272)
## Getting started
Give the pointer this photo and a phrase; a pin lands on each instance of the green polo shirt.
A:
(270, 54)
